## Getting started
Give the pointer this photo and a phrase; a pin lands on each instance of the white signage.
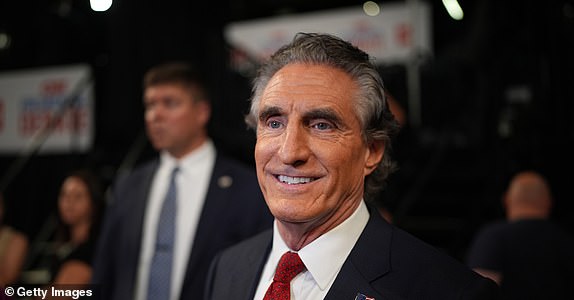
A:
(398, 32)
(48, 109)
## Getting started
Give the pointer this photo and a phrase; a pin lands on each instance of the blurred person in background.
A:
(172, 214)
(65, 257)
(80, 207)
(13, 250)
(527, 254)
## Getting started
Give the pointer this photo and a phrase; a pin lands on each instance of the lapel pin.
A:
(363, 297)
(225, 181)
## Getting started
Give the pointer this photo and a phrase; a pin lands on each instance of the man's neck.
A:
(299, 235)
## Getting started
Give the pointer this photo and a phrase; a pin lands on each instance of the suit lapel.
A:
(368, 261)
(215, 202)
(239, 269)
(132, 231)
(140, 199)
(256, 257)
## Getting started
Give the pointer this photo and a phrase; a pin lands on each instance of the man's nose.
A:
(294, 148)
(154, 113)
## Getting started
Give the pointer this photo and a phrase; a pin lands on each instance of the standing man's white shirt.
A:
(192, 183)
(324, 258)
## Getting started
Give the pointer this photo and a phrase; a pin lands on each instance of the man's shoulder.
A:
(421, 252)
(494, 231)
(436, 268)
(142, 169)
(232, 163)
(253, 247)
(412, 254)
(138, 178)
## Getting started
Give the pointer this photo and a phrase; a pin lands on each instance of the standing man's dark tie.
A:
(159, 285)
(289, 266)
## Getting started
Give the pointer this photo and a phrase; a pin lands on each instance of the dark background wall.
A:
(454, 166)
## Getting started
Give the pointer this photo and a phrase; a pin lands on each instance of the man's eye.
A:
(322, 126)
(274, 124)
(171, 103)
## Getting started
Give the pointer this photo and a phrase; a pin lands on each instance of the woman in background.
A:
(80, 208)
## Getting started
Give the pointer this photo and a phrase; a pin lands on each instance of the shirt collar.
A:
(325, 256)
(200, 154)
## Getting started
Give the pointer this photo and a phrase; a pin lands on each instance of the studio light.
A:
(453, 9)
(100, 5)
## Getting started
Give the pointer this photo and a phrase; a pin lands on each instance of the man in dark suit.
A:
(214, 200)
(323, 140)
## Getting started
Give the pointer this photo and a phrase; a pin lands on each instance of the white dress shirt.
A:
(192, 183)
(324, 258)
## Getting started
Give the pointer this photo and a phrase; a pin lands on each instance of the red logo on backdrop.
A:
(48, 111)
(54, 87)
(404, 34)
(366, 38)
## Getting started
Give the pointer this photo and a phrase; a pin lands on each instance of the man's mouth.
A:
(294, 180)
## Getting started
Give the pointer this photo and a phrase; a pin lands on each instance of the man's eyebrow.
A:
(269, 111)
(322, 113)
(314, 114)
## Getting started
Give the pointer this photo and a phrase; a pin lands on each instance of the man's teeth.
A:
(294, 180)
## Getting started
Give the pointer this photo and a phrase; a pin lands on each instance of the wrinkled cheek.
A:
(350, 179)
(263, 183)
(262, 148)
(262, 155)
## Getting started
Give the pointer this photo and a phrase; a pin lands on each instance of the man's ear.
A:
(204, 111)
(505, 200)
(374, 156)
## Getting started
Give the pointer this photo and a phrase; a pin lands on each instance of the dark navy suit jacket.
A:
(230, 214)
(386, 263)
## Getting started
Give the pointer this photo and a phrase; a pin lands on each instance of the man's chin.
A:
(290, 213)
(158, 145)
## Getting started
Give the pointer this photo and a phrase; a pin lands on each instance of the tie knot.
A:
(289, 266)
(174, 171)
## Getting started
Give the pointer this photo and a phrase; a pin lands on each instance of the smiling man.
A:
(323, 141)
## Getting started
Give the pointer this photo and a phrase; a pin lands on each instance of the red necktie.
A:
(289, 266)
